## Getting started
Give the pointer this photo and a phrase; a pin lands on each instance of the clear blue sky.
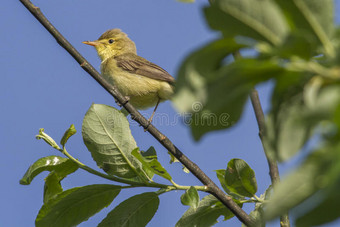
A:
(43, 87)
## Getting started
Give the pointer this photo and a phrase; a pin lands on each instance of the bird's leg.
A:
(153, 113)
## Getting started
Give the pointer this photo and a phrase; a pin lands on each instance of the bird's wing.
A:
(138, 65)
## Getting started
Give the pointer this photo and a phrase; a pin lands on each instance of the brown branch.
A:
(135, 115)
(273, 168)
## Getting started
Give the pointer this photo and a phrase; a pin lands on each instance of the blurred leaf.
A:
(326, 101)
(311, 16)
(150, 162)
(52, 186)
(259, 20)
(69, 132)
(206, 214)
(76, 205)
(240, 178)
(257, 214)
(298, 44)
(286, 130)
(197, 70)
(61, 166)
(135, 211)
(324, 212)
(107, 135)
(190, 198)
(212, 97)
(291, 130)
(307, 179)
(295, 114)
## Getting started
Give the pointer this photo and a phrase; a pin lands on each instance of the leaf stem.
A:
(132, 184)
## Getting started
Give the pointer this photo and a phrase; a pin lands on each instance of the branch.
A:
(135, 115)
(273, 168)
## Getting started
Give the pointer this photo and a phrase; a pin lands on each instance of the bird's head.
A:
(113, 42)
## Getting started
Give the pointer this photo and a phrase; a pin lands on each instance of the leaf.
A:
(257, 215)
(135, 211)
(69, 132)
(285, 128)
(190, 197)
(311, 176)
(221, 175)
(240, 178)
(311, 16)
(260, 20)
(149, 161)
(76, 205)
(47, 139)
(52, 186)
(324, 212)
(297, 110)
(107, 136)
(206, 214)
(297, 43)
(292, 131)
(199, 68)
(61, 166)
(148, 155)
(212, 97)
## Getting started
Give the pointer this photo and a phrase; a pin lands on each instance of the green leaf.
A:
(240, 178)
(61, 166)
(148, 155)
(190, 198)
(197, 70)
(256, 19)
(212, 97)
(220, 173)
(324, 212)
(311, 176)
(135, 211)
(257, 215)
(221, 177)
(296, 44)
(206, 214)
(69, 132)
(311, 16)
(150, 162)
(52, 186)
(297, 109)
(107, 135)
(76, 205)
(291, 130)
(47, 139)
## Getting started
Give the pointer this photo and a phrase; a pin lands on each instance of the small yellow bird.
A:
(143, 83)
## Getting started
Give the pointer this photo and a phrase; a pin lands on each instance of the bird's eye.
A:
(111, 41)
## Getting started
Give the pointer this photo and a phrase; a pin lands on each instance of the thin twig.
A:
(273, 168)
(192, 167)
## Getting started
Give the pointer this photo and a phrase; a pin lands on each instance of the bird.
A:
(142, 82)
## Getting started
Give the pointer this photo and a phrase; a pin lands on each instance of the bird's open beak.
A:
(91, 43)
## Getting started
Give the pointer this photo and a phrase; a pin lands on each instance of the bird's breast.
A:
(144, 92)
